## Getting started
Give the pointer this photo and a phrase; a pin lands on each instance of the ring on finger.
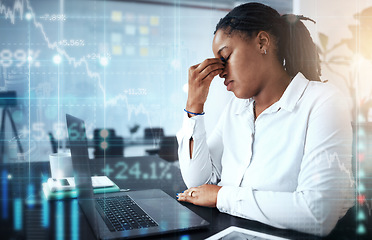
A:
(190, 193)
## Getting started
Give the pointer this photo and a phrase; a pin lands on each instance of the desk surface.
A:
(26, 215)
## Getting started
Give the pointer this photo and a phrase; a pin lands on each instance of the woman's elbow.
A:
(318, 227)
(191, 180)
(324, 213)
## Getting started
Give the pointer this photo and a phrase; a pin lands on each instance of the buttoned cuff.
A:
(238, 201)
(193, 127)
(225, 199)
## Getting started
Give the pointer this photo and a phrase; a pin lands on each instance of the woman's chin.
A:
(240, 95)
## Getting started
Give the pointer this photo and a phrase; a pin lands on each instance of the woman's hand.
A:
(200, 78)
(204, 195)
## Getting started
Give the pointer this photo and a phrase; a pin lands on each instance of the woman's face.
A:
(244, 63)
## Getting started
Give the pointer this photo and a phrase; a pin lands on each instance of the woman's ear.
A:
(263, 41)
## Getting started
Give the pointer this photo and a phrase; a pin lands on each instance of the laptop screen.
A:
(80, 162)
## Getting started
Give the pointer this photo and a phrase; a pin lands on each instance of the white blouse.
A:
(291, 168)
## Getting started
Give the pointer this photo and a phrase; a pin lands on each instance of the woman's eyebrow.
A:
(219, 51)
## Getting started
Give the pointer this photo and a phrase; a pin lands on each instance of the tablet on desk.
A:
(241, 233)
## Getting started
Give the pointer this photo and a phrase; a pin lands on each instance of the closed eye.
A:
(226, 59)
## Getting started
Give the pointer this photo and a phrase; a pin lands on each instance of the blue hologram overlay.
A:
(45, 208)
(31, 196)
(74, 219)
(18, 214)
(45, 212)
(163, 224)
(185, 219)
(144, 230)
(4, 186)
(185, 237)
(60, 219)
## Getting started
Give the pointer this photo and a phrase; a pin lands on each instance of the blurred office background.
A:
(119, 65)
(122, 66)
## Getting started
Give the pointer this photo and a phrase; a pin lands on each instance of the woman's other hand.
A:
(204, 195)
(200, 78)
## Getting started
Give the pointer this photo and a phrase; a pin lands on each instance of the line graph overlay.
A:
(333, 157)
(11, 13)
(132, 108)
(19, 7)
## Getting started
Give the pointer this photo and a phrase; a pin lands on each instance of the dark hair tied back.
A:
(298, 49)
(295, 47)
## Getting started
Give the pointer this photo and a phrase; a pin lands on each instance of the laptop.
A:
(124, 214)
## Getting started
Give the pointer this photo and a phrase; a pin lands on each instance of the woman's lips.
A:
(228, 84)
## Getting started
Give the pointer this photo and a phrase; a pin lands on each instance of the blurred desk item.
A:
(53, 143)
(26, 214)
(153, 133)
(168, 149)
(141, 141)
(132, 147)
(139, 150)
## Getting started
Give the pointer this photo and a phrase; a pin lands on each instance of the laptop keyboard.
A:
(122, 213)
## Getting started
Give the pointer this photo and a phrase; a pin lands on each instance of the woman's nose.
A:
(223, 74)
